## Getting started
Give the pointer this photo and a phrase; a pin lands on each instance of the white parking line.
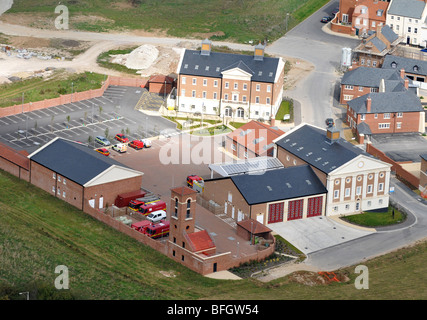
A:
(75, 105)
(57, 109)
(100, 100)
(86, 105)
(9, 118)
(67, 107)
(46, 114)
(6, 123)
(33, 113)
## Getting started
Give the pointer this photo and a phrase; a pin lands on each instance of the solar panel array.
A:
(253, 165)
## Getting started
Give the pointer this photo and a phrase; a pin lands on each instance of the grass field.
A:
(376, 219)
(239, 20)
(39, 232)
(37, 89)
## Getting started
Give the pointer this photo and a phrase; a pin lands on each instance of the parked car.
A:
(156, 216)
(136, 144)
(326, 19)
(424, 50)
(103, 151)
(335, 11)
(120, 147)
(102, 140)
(330, 122)
(121, 137)
(147, 143)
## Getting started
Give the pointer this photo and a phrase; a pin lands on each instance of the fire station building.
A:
(80, 176)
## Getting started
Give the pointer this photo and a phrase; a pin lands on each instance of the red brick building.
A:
(14, 162)
(251, 140)
(161, 84)
(357, 17)
(423, 176)
(80, 176)
(385, 112)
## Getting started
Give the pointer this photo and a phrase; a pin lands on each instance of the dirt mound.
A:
(309, 278)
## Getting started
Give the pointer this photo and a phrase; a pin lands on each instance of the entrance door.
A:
(295, 209)
(408, 40)
(215, 267)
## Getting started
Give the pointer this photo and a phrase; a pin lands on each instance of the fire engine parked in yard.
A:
(123, 199)
(152, 230)
(146, 209)
(136, 203)
(196, 183)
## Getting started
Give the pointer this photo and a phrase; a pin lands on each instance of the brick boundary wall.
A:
(68, 98)
(396, 167)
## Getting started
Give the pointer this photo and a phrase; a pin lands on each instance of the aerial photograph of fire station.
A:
(230, 150)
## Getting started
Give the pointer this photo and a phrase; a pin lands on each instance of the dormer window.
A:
(394, 65)
(416, 68)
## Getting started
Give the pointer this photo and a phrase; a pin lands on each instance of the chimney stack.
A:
(332, 134)
(206, 47)
(406, 83)
(259, 52)
(402, 72)
(368, 105)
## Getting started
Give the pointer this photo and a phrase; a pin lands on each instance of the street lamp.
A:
(72, 90)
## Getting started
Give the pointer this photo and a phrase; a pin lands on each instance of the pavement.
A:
(317, 233)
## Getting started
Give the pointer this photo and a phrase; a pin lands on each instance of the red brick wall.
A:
(355, 92)
(14, 169)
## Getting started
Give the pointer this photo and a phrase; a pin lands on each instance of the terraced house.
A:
(235, 86)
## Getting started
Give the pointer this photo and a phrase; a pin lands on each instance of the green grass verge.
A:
(286, 107)
(37, 89)
(239, 20)
(237, 125)
(39, 232)
(377, 219)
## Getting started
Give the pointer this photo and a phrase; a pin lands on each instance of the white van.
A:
(120, 147)
(156, 216)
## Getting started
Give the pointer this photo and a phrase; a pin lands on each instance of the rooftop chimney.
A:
(406, 83)
(368, 105)
(332, 134)
(206, 47)
(259, 52)
(402, 73)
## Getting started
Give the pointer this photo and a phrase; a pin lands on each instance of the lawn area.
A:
(286, 107)
(39, 232)
(239, 20)
(37, 89)
(377, 219)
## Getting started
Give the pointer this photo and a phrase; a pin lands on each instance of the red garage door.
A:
(314, 207)
(275, 212)
(295, 209)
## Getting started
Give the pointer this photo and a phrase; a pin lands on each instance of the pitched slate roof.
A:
(382, 102)
(73, 160)
(369, 77)
(200, 240)
(405, 63)
(424, 156)
(279, 184)
(389, 34)
(310, 144)
(407, 8)
(212, 65)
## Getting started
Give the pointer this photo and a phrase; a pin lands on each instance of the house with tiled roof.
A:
(253, 139)
(373, 49)
(414, 69)
(385, 112)
(233, 86)
(407, 18)
(355, 180)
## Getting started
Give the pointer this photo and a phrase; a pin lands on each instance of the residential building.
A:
(80, 176)
(253, 139)
(385, 112)
(355, 180)
(408, 19)
(358, 17)
(363, 80)
(414, 69)
(234, 86)
(373, 49)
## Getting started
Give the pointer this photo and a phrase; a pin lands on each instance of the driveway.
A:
(401, 146)
(317, 233)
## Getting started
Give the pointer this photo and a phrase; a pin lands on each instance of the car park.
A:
(102, 140)
(103, 151)
(330, 122)
(121, 137)
(136, 144)
(120, 147)
(156, 216)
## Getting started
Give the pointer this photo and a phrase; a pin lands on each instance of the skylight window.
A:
(196, 67)
(185, 66)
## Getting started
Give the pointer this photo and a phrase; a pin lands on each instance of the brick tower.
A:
(182, 214)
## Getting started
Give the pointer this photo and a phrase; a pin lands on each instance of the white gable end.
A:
(359, 164)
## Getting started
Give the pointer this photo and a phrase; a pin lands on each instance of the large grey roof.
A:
(215, 63)
(407, 8)
(310, 144)
(389, 34)
(378, 44)
(405, 63)
(369, 77)
(72, 160)
(279, 184)
(384, 102)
